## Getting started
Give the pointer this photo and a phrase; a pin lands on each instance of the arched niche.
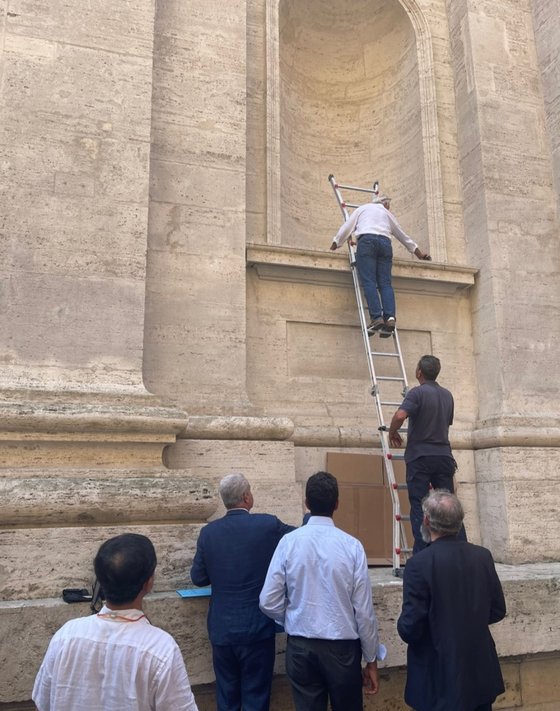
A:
(350, 91)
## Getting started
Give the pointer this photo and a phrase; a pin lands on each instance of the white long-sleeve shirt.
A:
(374, 219)
(100, 663)
(318, 586)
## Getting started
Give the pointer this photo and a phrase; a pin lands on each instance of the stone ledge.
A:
(531, 625)
(86, 498)
(249, 428)
(325, 267)
(43, 415)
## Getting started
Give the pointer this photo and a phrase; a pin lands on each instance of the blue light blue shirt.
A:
(318, 586)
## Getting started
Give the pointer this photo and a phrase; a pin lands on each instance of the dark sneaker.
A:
(375, 325)
(388, 327)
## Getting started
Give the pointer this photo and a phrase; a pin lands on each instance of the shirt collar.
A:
(320, 521)
(132, 614)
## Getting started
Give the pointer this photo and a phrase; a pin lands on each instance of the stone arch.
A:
(359, 69)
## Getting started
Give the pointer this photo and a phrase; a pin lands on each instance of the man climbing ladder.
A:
(373, 224)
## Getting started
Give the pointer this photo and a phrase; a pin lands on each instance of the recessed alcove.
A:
(350, 92)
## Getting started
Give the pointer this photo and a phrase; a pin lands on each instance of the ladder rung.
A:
(391, 402)
(401, 517)
(384, 428)
(390, 377)
(353, 187)
(380, 353)
(395, 455)
(403, 550)
(400, 487)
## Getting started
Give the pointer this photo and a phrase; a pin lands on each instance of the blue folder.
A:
(195, 592)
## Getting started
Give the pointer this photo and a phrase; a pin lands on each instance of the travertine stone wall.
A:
(547, 37)
(304, 321)
(512, 237)
(195, 290)
(75, 138)
(268, 465)
(349, 93)
(202, 134)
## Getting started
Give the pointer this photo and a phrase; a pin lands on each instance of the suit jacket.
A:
(232, 555)
(451, 594)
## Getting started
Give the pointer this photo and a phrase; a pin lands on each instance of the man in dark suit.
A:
(451, 594)
(232, 555)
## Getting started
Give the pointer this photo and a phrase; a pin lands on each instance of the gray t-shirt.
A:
(430, 412)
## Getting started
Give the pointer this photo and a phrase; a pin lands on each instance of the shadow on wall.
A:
(349, 104)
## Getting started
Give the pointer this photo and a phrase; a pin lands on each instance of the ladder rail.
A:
(400, 546)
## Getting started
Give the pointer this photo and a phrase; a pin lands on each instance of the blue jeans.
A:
(374, 259)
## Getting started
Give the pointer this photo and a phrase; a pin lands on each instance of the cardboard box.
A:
(365, 507)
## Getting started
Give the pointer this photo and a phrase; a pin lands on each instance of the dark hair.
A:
(321, 494)
(444, 512)
(123, 564)
(429, 366)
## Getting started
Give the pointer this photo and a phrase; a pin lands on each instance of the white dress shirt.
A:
(373, 219)
(104, 663)
(318, 586)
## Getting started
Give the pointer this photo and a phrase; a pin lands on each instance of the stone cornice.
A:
(325, 267)
(44, 415)
(88, 497)
(250, 428)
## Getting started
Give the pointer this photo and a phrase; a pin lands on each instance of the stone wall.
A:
(170, 312)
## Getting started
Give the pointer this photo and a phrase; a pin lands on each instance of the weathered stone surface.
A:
(94, 500)
(41, 562)
(199, 94)
(515, 531)
(269, 467)
(75, 136)
(267, 428)
(205, 134)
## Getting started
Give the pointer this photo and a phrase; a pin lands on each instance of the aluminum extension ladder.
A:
(400, 545)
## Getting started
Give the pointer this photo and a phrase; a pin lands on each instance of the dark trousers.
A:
(420, 473)
(244, 675)
(323, 669)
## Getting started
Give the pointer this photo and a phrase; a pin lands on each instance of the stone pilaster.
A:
(512, 238)
(75, 115)
(195, 320)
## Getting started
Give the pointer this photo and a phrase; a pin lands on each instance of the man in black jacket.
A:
(451, 594)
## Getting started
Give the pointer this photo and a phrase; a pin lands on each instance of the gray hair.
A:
(232, 488)
(444, 512)
(380, 199)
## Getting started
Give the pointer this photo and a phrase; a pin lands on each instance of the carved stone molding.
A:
(253, 428)
(307, 266)
(93, 498)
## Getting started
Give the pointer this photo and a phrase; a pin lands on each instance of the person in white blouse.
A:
(373, 224)
(116, 660)
(318, 588)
